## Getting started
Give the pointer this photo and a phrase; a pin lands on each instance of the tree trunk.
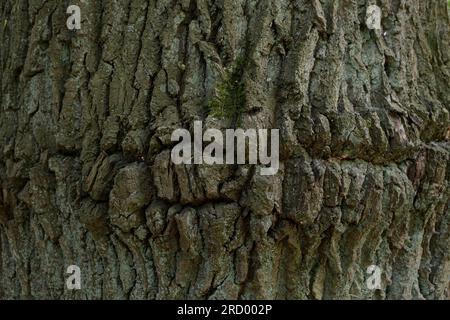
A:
(86, 179)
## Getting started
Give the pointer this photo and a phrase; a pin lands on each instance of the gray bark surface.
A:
(85, 171)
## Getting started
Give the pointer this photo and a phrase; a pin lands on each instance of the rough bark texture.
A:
(85, 170)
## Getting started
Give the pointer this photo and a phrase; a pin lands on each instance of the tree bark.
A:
(85, 173)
